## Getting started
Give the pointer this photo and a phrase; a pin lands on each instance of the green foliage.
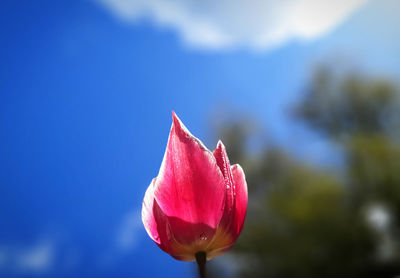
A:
(307, 222)
(341, 107)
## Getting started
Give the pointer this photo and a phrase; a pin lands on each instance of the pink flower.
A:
(198, 201)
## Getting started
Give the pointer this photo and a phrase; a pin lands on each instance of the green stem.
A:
(201, 259)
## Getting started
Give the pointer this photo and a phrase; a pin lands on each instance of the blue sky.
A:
(86, 96)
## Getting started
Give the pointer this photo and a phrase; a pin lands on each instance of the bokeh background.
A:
(304, 94)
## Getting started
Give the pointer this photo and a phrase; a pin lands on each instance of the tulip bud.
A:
(198, 201)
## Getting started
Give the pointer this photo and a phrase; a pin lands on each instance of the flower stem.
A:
(201, 262)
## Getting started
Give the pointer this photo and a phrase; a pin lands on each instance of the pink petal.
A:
(225, 167)
(190, 186)
(155, 221)
(158, 227)
(236, 194)
(241, 198)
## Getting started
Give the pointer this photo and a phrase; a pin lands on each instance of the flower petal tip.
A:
(220, 145)
(175, 119)
(178, 127)
(173, 115)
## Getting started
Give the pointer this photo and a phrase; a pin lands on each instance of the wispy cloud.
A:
(225, 24)
(124, 240)
(3, 257)
(35, 258)
(127, 234)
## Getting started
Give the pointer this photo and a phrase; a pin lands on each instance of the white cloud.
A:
(38, 258)
(255, 24)
(3, 257)
(124, 240)
(379, 217)
(128, 231)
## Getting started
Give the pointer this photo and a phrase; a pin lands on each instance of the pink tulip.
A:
(198, 201)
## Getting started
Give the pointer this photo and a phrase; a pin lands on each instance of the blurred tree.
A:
(306, 222)
(341, 106)
(362, 115)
